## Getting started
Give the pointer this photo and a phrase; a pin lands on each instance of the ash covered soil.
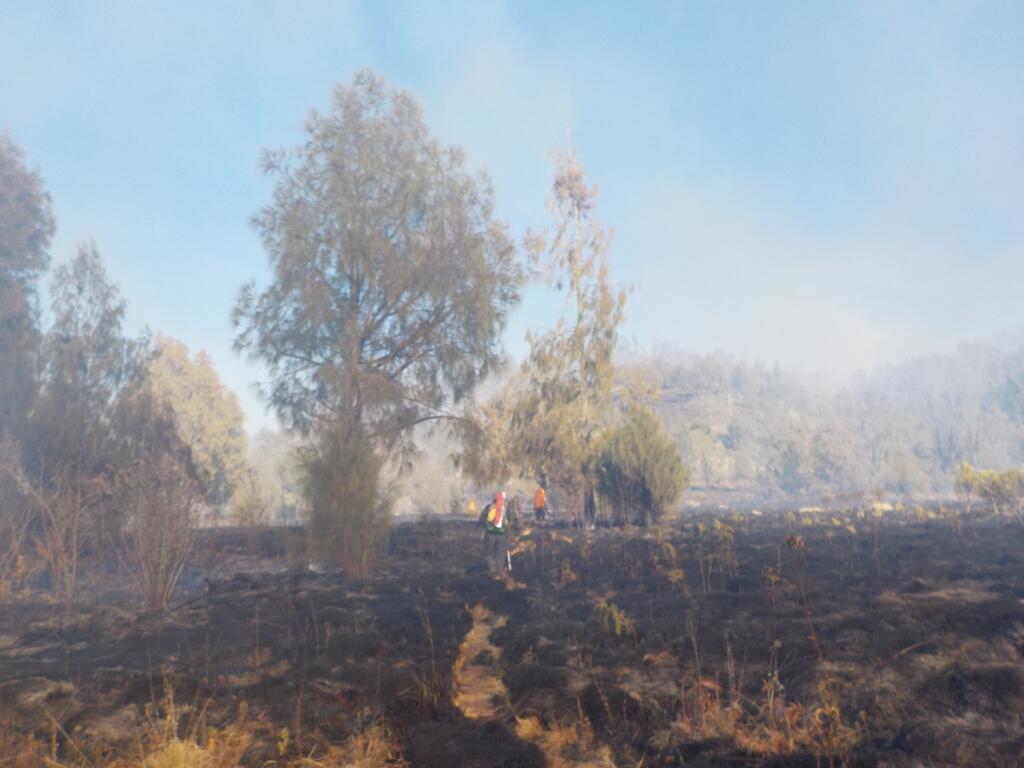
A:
(854, 638)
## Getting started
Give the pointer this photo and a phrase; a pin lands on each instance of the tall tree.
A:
(87, 363)
(392, 279)
(207, 416)
(26, 226)
(392, 283)
(567, 401)
(74, 445)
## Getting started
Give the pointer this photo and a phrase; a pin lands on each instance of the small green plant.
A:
(614, 620)
(639, 471)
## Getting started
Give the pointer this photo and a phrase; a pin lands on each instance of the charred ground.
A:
(856, 638)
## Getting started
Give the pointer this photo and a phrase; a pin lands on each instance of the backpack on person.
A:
(494, 516)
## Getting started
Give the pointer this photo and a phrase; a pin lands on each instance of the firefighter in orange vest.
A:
(540, 504)
(495, 519)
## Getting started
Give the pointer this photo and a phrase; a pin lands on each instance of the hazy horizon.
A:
(829, 188)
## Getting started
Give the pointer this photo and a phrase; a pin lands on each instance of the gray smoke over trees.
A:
(902, 430)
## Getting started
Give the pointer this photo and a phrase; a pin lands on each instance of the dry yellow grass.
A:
(478, 691)
(221, 750)
(565, 745)
(373, 747)
(476, 687)
(774, 727)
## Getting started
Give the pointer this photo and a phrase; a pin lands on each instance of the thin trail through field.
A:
(479, 692)
(481, 695)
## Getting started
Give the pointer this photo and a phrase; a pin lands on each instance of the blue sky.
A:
(829, 186)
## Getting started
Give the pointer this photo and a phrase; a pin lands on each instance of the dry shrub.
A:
(251, 505)
(163, 742)
(15, 509)
(372, 747)
(45, 524)
(223, 750)
(69, 515)
(170, 736)
(770, 727)
(18, 750)
(161, 499)
(702, 714)
(569, 744)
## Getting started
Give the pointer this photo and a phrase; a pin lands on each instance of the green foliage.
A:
(88, 363)
(902, 429)
(27, 218)
(639, 471)
(614, 619)
(26, 226)
(92, 421)
(86, 422)
(207, 416)
(570, 370)
(546, 423)
(391, 278)
(348, 514)
(392, 282)
(1003, 490)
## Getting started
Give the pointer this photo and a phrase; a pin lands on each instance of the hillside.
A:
(901, 430)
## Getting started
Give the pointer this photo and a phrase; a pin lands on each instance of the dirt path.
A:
(480, 695)
(479, 692)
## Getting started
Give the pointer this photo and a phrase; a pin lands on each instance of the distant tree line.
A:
(901, 430)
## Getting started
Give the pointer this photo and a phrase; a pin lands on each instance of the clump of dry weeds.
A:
(374, 746)
(568, 744)
(772, 726)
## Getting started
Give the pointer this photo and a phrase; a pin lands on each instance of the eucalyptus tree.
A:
(549, 422)
(88, 365)
(568, 402)
(392, 281)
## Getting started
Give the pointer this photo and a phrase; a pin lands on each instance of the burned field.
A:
(854, 638)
